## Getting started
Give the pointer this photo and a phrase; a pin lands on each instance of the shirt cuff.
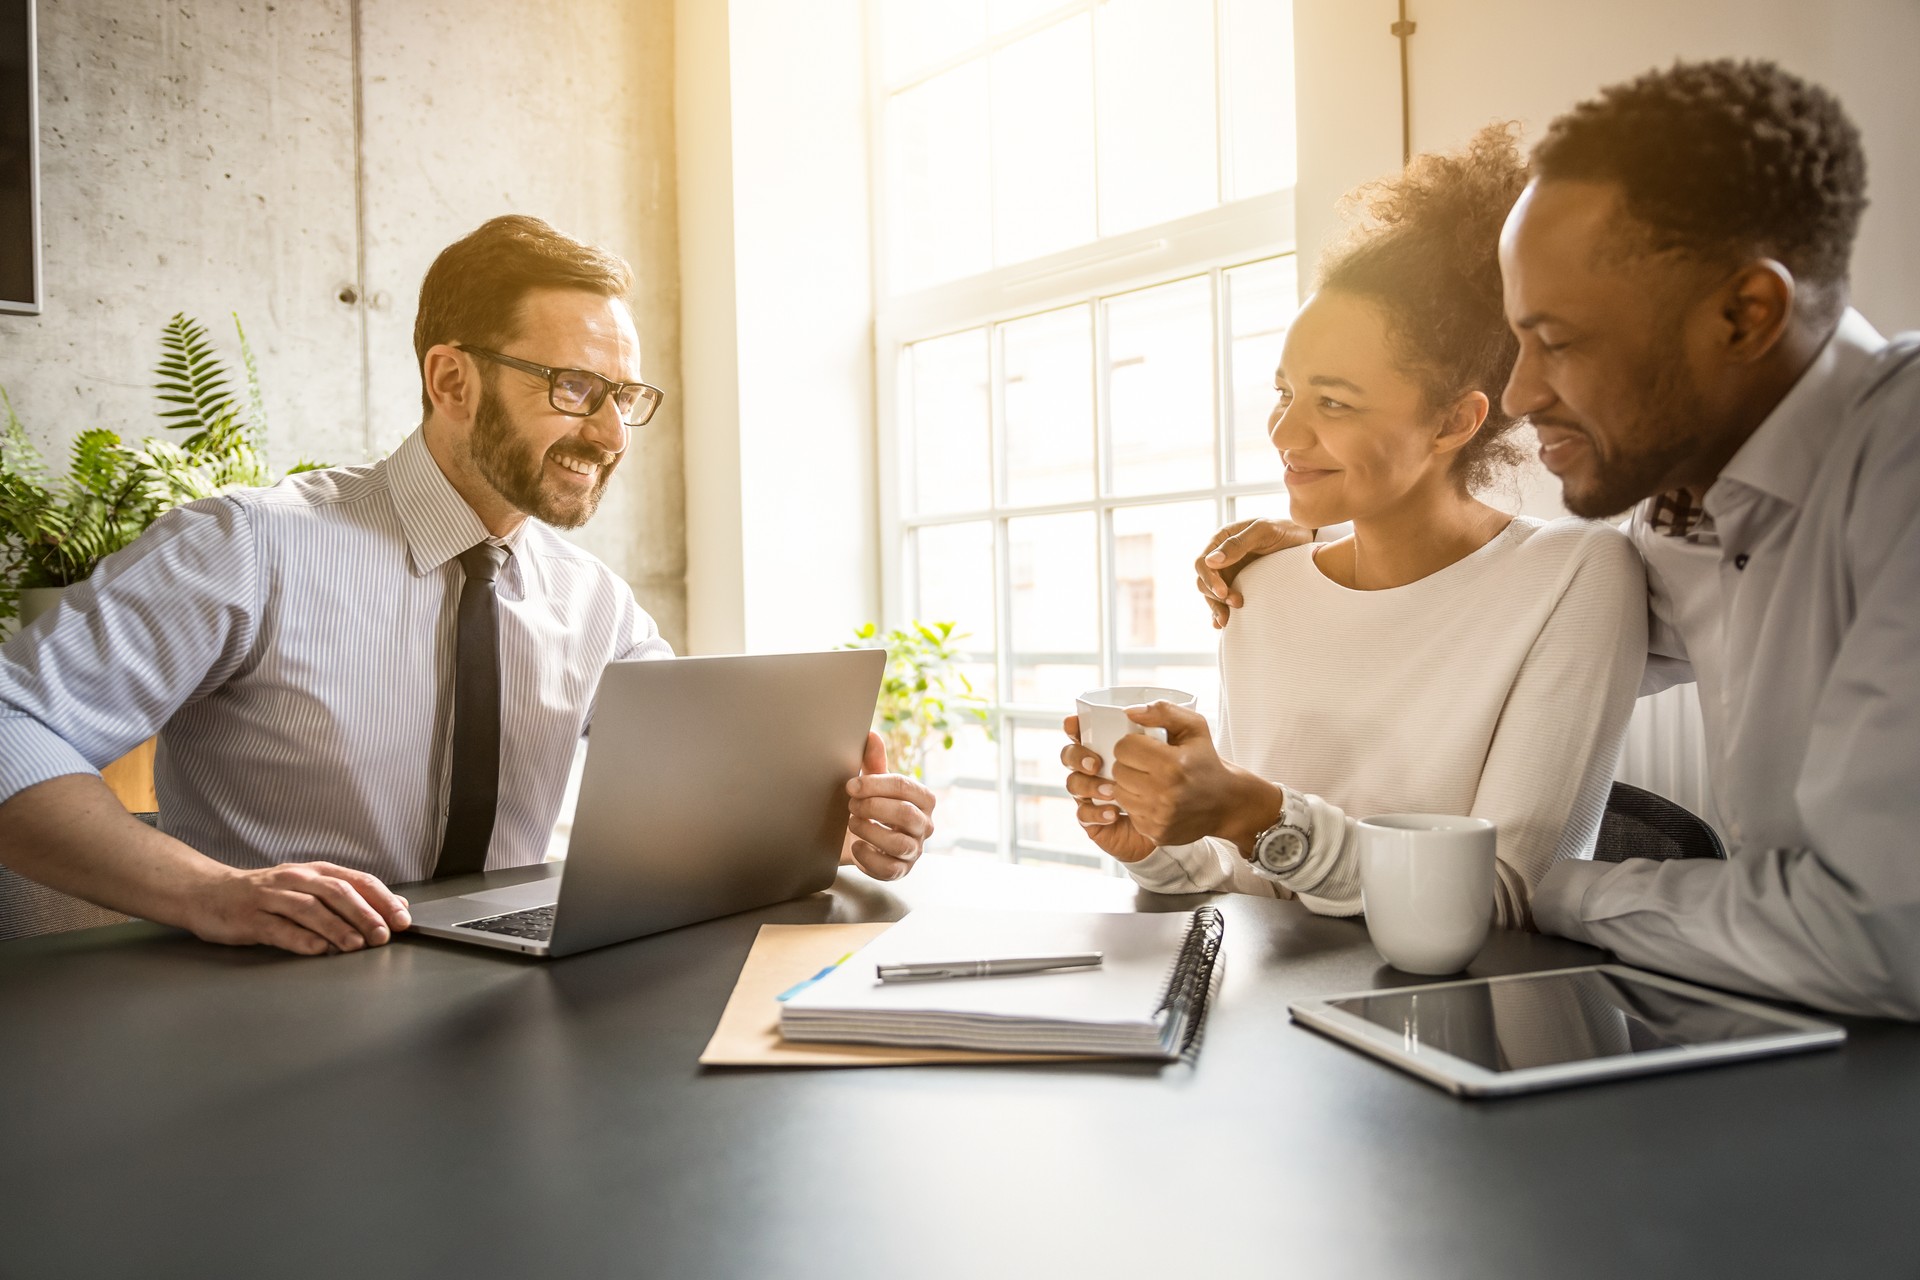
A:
(31, 753)
(1558, 898)
(1162, 872)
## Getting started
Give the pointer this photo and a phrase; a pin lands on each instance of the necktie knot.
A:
(483, 561)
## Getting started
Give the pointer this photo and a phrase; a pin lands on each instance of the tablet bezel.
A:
(1469, 1079)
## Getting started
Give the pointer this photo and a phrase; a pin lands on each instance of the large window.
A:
(1085, 254)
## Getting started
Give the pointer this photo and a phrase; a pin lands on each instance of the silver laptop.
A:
(712, 785)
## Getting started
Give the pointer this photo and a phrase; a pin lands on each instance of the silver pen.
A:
(927, 970)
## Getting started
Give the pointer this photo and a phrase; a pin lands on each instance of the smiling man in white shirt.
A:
(368, 674)
(1677, 274)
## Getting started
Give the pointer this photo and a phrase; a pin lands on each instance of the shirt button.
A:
(1740, 561)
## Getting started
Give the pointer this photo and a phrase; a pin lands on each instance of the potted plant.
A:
(53, 533)
(924, 695)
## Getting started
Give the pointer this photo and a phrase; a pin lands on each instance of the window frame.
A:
(1207, 243)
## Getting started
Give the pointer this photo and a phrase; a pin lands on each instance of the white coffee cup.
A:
(1103, 717)
(1426, 884)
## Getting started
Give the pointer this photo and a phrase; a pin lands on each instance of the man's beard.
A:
(518, 474)
(1643, 458)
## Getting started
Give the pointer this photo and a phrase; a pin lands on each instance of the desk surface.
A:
(425, 1109)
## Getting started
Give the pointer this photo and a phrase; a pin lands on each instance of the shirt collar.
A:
(1781, 456)
(437, 521)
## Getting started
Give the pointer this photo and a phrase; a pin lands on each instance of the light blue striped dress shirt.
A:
(293, 647)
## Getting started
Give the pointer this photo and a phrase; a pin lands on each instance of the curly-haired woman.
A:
(1446, 656)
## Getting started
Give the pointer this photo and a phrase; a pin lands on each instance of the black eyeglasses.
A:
(579, 393)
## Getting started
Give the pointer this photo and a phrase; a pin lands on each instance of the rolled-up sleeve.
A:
(156, 625)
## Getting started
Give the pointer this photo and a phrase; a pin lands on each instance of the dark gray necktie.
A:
(475, 785)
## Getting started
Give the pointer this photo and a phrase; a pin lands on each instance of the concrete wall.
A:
(204, 156)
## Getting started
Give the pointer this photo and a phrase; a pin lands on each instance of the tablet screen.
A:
(1552, 1018)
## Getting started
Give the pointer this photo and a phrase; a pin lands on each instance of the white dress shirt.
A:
(1798, 611)
(1499, 686)
(293, 647)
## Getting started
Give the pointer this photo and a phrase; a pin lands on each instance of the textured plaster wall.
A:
(480, 107)
(199, 155)
(193, 158)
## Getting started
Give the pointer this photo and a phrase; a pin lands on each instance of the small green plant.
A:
(924, 696)
(53, 533)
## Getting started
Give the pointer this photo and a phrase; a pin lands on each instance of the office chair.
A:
(1640, 824)
(28, 909)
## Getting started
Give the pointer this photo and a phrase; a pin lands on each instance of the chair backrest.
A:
(28, 908)
(1640, 824)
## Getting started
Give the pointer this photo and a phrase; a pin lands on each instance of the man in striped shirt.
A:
(295, 648)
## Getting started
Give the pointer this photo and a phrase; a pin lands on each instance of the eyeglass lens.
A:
(579, 392)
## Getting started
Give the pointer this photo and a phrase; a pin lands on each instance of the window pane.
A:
(1165, 633)
(1257, 53)
(950, 451)
(1158, 154)
(916, 34)
(966, 795)
(1048, 819)
(1260, 506)
(939, 223)
(1160, 387)
(1048, 361)
(1004, 15)
(1053, 591)
(1261, 300)
(953, 573)
(1043, 142)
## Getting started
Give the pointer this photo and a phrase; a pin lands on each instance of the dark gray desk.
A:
(169, 1108)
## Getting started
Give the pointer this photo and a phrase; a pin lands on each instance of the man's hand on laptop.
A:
(890, 817)
(1233, 549)
(310, 908)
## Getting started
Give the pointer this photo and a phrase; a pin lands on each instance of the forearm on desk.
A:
(70, 833)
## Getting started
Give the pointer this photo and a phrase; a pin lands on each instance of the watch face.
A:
(1281, 849)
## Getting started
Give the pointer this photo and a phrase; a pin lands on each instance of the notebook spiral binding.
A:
(1190, 985)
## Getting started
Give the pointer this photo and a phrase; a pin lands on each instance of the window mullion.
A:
(1223, 409)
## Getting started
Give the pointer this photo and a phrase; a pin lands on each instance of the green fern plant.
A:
(53, 533)
(924, 695)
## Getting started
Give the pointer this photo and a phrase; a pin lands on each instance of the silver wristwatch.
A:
(1282, 848)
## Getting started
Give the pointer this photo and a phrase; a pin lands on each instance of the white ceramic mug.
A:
(1103, 717)
(1426, 884)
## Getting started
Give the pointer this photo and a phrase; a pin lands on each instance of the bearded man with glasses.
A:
(375, 674)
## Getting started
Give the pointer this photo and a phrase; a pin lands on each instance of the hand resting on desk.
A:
(890, 817)
(71, 834)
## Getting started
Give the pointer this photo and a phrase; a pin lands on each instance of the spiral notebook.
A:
(1148, 998)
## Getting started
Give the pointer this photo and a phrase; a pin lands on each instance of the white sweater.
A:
(1499, 687)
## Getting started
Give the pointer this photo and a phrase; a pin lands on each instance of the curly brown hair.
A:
(1424, 246)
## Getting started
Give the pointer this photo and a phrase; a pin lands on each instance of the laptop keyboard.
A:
(535, 923)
